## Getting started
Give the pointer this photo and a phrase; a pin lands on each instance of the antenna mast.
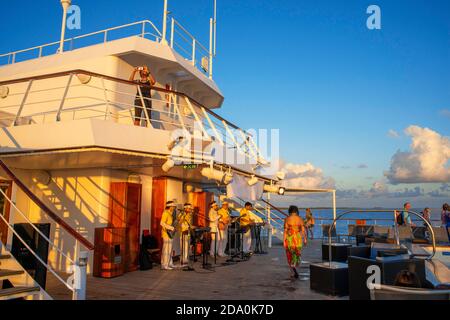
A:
(215, 26)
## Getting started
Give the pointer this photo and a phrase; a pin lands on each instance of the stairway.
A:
(17, 282)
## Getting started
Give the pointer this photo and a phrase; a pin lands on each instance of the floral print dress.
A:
(293, 243)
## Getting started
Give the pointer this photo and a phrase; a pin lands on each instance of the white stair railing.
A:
(78, 287)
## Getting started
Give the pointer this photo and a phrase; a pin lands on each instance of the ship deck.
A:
(265, 277)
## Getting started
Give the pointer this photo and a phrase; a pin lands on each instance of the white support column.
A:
(65, 4)
(211, 29)
(164, 28)
(79, 277)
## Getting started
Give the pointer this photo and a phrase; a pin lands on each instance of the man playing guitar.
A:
(245, 224)
(224, 222)
(167, 233)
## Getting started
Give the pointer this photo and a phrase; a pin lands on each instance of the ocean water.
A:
(384, 218)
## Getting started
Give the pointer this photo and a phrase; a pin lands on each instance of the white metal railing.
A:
(190, 48)
(121, 101)
(146, 30)
(78, 287)
(181, 40)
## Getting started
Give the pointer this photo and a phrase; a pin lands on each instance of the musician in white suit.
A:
(214, 218)
(167, 238)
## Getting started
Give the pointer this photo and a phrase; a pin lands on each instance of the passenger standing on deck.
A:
(146, 80)
(185, 237)
(426, 214)
(245, 223)
(214, 218)
(309, 221)
(403, 218)
(445, 217)
(294, 238)
(167, 235)
(225, 219)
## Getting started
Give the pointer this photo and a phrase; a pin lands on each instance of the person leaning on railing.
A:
(146, 80)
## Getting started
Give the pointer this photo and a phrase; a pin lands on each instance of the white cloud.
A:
(305, 176)
(427, 161)
(393, 134)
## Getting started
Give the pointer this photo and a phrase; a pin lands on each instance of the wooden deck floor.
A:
(262, 277)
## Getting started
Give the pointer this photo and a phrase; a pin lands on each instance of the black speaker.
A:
(331, 281)
(38, 244)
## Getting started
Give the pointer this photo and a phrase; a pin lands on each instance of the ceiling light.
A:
(168, 165)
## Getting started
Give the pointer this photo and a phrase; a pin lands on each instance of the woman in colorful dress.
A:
(294, 238)
(309, 221)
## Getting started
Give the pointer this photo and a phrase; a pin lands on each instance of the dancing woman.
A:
(294, 238)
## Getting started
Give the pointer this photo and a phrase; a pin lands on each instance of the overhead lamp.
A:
(227, 178)
(252, 181)
(168, 165)
(275, 189)
(214, 174)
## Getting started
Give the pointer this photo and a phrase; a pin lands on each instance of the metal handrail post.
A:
(197, 118)
(143, 29)
(61, 106)
(193, 52)
(106, 99)
(172, 32)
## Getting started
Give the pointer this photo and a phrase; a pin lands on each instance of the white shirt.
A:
(213, 217)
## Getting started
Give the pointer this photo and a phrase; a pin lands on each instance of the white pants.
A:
(222, 241)
(185, 241)
(247, 241)
(214, 247)
(166, 256)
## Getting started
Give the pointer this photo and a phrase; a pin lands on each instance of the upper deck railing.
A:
(181, 41)
(80, 94)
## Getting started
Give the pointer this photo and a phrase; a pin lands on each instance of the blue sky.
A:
(310, 68)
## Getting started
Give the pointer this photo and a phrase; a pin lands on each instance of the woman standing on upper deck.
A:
(294, 238)
(145, 82)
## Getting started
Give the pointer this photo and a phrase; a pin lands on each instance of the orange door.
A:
(201, 208)
(159, 195)
(125, 212)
